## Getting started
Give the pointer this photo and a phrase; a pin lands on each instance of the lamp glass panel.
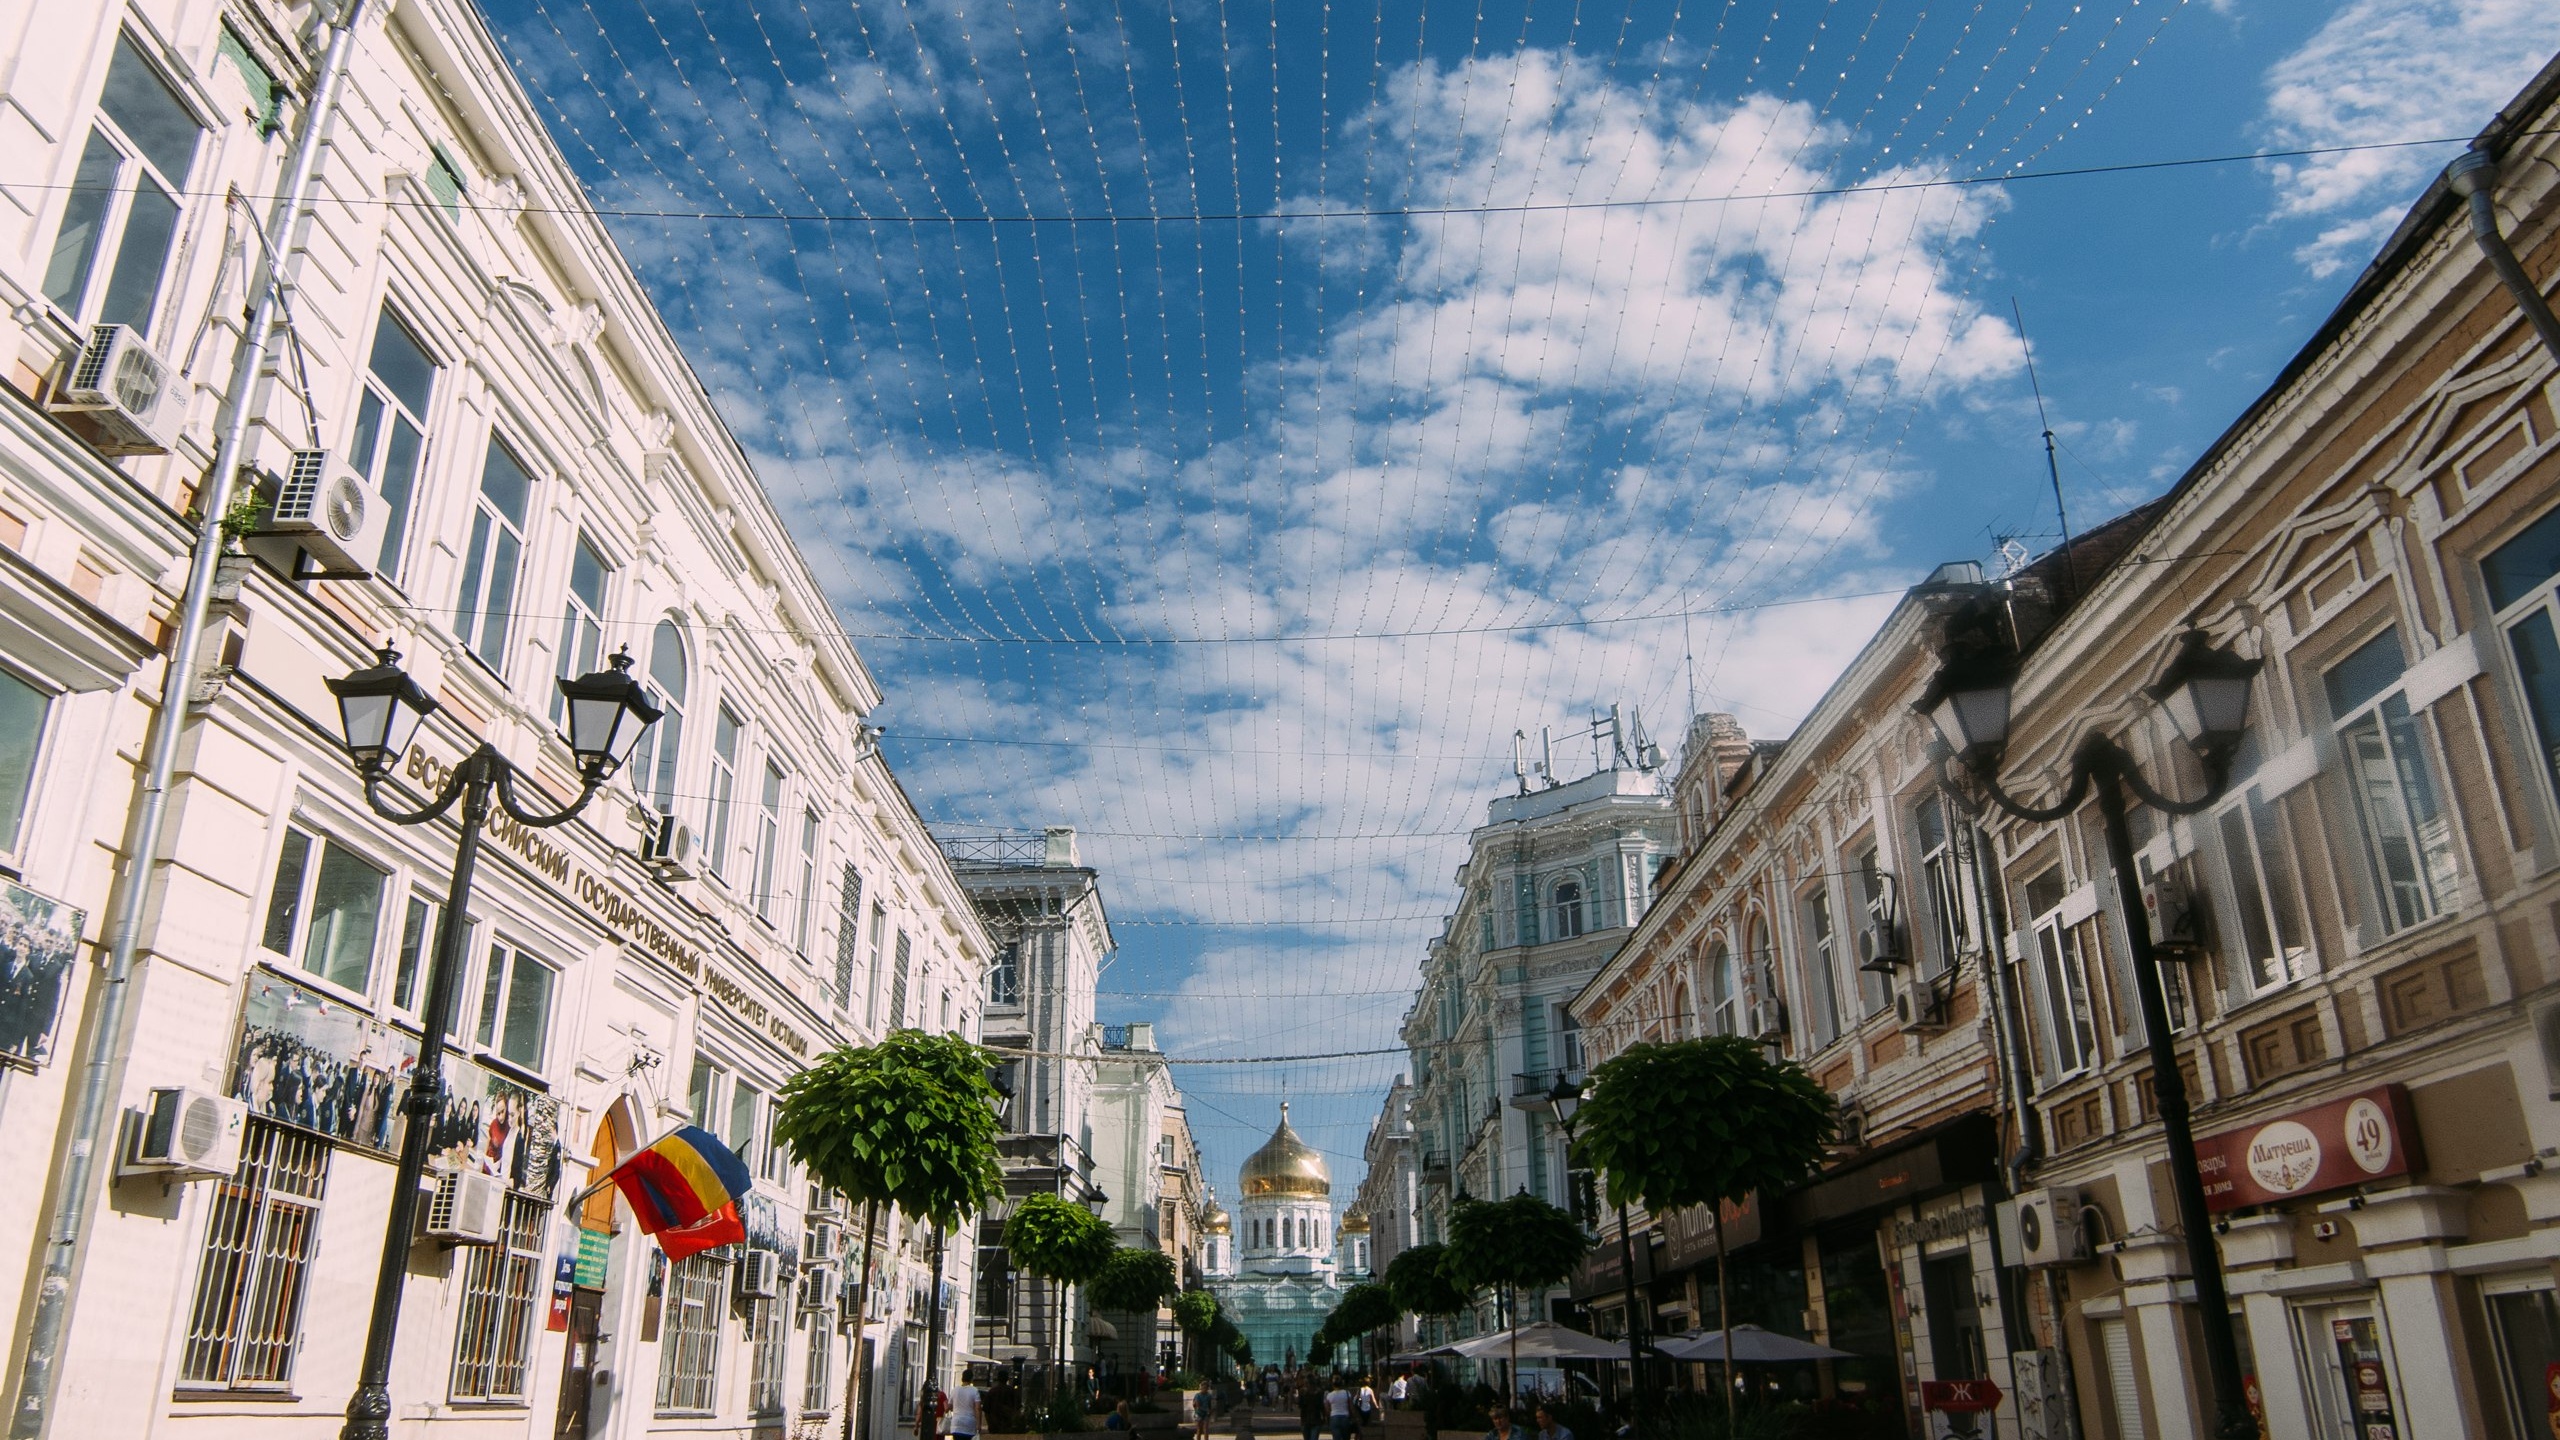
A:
(1985, 714)
(592, 719)
(405, 720)
(627, 738)
(367, 720)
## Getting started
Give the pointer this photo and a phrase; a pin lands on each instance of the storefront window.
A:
(1859, 1310)
(2526, 1320)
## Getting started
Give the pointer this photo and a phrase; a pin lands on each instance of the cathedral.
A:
(1281, 1263)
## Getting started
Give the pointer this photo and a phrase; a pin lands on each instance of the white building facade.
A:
(555, 485)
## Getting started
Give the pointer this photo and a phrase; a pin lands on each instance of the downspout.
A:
(39, 1373)
(2474, 177)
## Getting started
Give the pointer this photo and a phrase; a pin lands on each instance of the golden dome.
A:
(1286, 1165)
(1355, 1223)
(1216, 1221)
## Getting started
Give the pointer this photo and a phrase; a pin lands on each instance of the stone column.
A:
(2404, 1234)
(2256, 1250)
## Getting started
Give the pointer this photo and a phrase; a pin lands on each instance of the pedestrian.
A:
(1200, 1412)
(1121, 1418)
(1549, 1428)
(1502, 1430)
(968, 1406)
(1310, 1408)
(1368, 1399)
(1337, 1410)
(1397, 1389)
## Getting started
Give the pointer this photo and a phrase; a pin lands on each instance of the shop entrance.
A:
(2347, 1367)
(1956, 1349)
(586, 1310)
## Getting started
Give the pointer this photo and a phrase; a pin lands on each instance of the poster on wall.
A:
(317, 1063)
(39, 935)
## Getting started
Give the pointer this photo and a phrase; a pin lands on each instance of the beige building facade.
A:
(482, 374)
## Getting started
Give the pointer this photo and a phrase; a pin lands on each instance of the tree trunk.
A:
(1724, 1316)
(1511, 1372)
(861, 1319)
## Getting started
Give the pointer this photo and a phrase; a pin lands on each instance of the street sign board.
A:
(1961, 1397)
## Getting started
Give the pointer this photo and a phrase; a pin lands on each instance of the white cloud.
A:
(2381, 72)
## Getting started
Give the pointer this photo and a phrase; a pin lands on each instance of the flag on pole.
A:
(684, 1189)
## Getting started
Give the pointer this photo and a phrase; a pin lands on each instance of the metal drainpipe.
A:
(39, 1372)
(2474, 177)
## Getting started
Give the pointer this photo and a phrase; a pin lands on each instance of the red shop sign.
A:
(2370, 1135)
(1960, 1397)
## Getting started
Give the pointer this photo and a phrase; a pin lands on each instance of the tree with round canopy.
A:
(1522, 1243)
(1063, 1243)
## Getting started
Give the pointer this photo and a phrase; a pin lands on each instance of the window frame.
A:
(1569, 910)
(689, 1354)
(804, 923)
(320, 843)
(483, 609)
(728, 746)
(98, 269)
(656, 765)
(582, 626)
(251, 1186)
(1004, 975)
(2374, 714)
(493, 1027)
(501, 1291)
(1941, 880)
(2260, 819)
(2058, 967)
(370, 442)
(2538, 601)
(848, 935)
(767, 840)
(48, 699)
(1821, 967)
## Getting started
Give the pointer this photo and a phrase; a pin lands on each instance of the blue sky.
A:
(1222, 426)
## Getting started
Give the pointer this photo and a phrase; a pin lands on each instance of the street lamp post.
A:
(2205, 691)
(380, 709)
(1564, 1098)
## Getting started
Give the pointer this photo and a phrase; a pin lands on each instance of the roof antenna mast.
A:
(2053, 469)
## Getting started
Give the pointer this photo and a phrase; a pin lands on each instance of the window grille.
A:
(764, 1358)
(689, 1338)
(817, 1379)
(258, 1247)
(898, 986)
(848, 936)
(499, 1293)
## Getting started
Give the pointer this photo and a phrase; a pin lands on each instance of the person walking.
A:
(1397, 1389)
(1337, 1410)
(1310, 1408)
(968, 1407)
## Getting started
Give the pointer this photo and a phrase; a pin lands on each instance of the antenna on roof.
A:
(1688, 652)
(2052, 468)
(1520, 759)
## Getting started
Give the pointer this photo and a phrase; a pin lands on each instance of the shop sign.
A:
(595, 1249)
(1959, 1397)
(2370, 1135)
(1602, 1273)
(614, 906)
(1689, 1236)
(1955, 1224)
(38, 937)
(320, 1064)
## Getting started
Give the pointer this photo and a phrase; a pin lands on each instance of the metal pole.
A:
(2169, 1089)
(927, 1417)
(38, 1372)
(369, 1408)
(1635, 1326)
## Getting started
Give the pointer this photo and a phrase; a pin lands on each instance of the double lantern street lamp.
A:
(380, 709)
(2205, 691)
(1564, 1099)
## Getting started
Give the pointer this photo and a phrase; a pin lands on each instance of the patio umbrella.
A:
(1542, 1340)
(1751, 1346)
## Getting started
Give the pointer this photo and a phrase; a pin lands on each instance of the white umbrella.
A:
(1543, 1340)
(1751, 1346)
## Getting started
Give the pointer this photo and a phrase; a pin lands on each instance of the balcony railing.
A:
(1006, 849)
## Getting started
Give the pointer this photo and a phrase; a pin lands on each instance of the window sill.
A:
(510, 1070)
(488, 1407)
(207, 1395)
(285, 967)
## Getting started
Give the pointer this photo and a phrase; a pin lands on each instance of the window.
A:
(486, 605)
(898, 986)
(444, 181)
(1724, 992)
(879, 928)
(768, 840)
(1569, 1052)
(2268, 944)
(746, 1122)
(1004, 977)
(2525, 1317)
(2071, 1034)
(418, 932)
(764, 1358)
(1821, 974)
(1568, 909)
(724, 784)
(246, 1324)
(582, 631)
(1875, 906)
(2408, 839)
(492, 1341)
(804, 927)
(2519, 575)
(816, 1382)
(23, 708)
(653, 771)
(515, 1006)
(1940, 886)
(113, 248)
(324, 916)
(848, 935)
(391, 427)
(689, 1338)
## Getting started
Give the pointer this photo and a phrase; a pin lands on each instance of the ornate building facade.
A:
(1292, 1259)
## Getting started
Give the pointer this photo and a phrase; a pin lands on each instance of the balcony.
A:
(1530, 1091)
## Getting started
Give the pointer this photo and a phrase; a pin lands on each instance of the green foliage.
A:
(1195, 1313)
(1420, 1283)
(1057, 1239)
(1365, 1307)
(1063, 1415)
(1134, 1278)
(909, 1122)
(1694, 1122)
(1183, 1380)
(1320, 1349)
(1522, 1242)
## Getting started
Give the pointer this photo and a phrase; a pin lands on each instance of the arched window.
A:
(1568, 909)
(1724, 991)
(653, 770)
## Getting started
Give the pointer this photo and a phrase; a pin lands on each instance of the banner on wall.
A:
(2369, 1135)
(317, 1063)
(39, 936)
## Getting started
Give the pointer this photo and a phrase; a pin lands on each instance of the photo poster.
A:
(317, 1063)
(762, 1220)
(39, 936)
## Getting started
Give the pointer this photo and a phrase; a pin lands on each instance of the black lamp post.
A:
(1564, 1098)
(2205, 691)
(380, 708)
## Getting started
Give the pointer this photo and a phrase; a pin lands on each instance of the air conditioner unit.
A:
(818, 1288)
(826, 1244)
(668, 848)
(466, 1209)
(1768, 1020)
(187, 1131)
(2046, 1226)
(323, 510)
(759, 1274)
(2177, 925)
(1920, 1002)
(126, 393)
